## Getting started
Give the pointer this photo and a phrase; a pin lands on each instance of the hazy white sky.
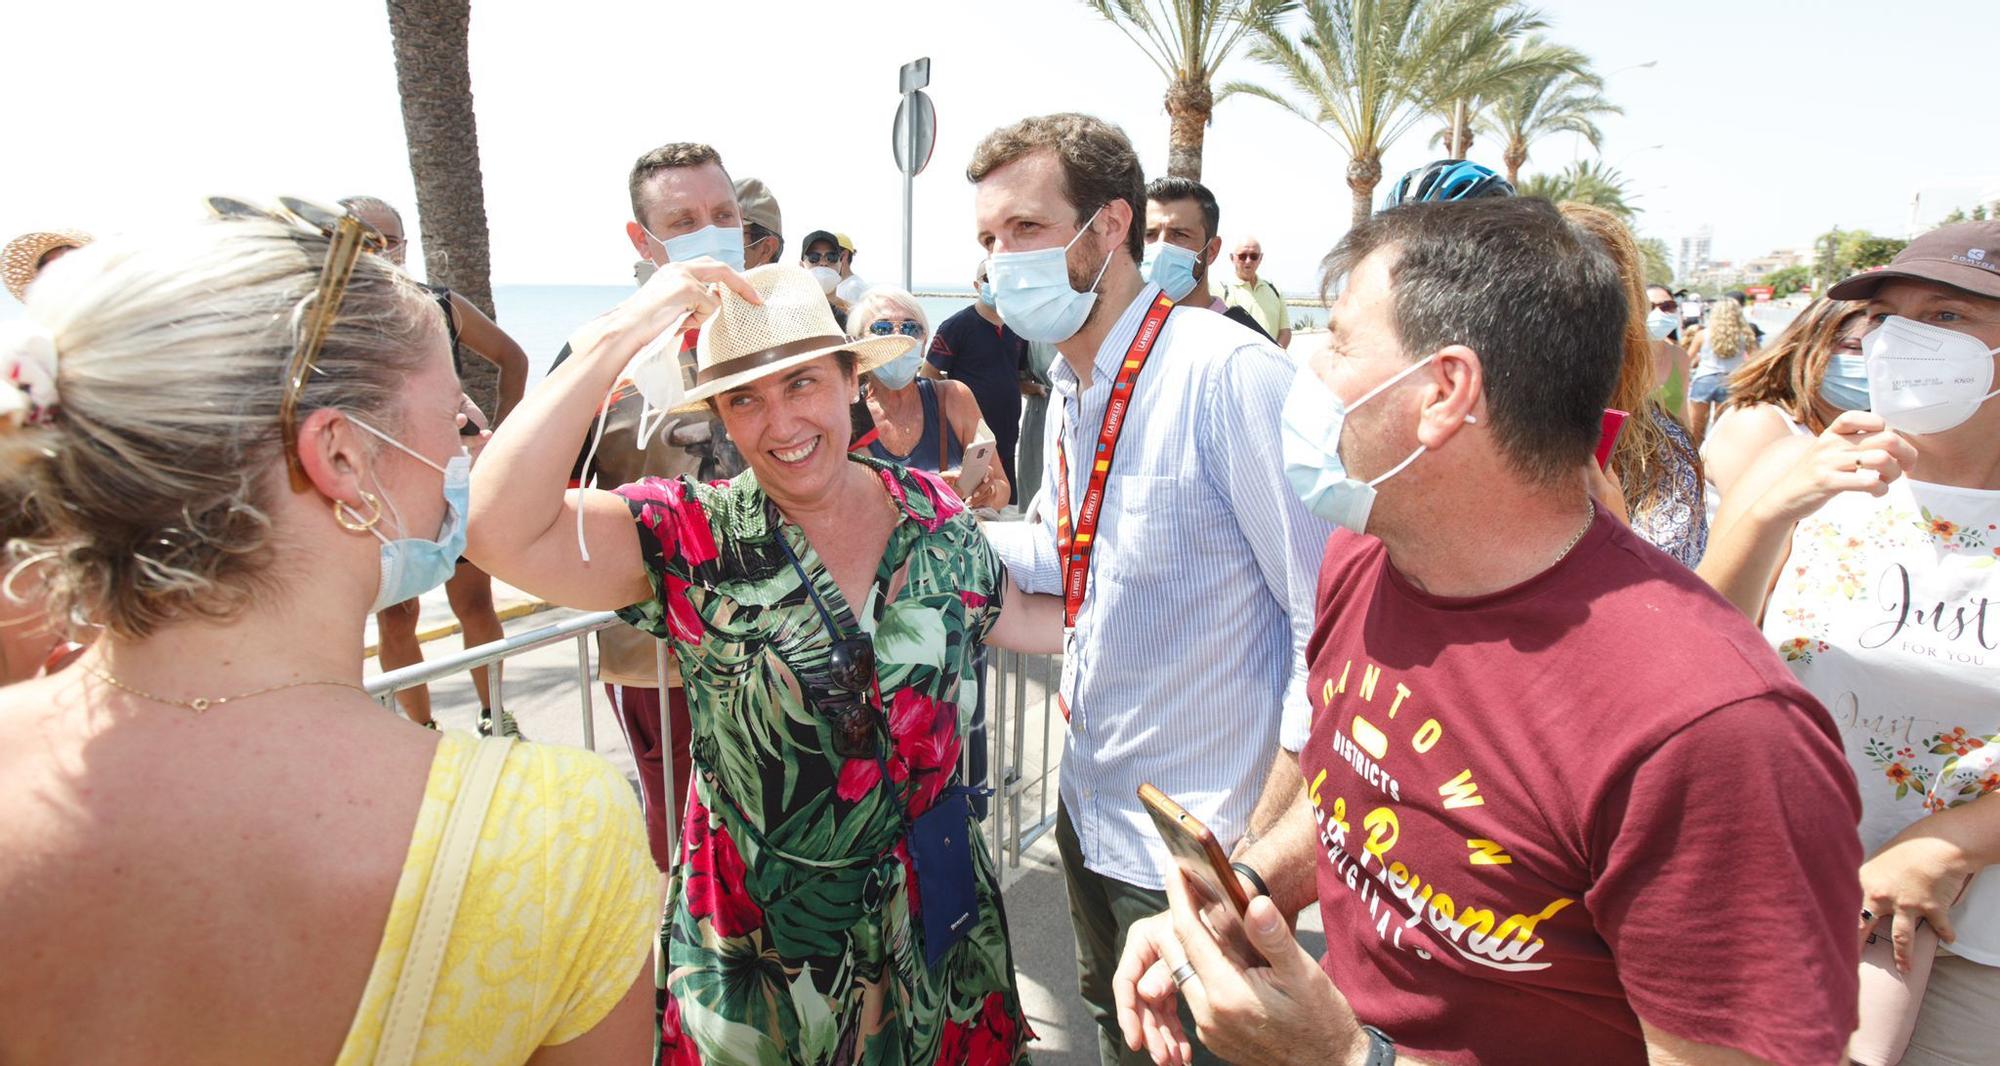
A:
(1776, 119)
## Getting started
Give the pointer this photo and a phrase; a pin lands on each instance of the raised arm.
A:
(523, 523)
(1735, 444)
(485, 339)
(1753, 533)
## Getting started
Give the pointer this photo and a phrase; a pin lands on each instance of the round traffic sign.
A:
(915, 133)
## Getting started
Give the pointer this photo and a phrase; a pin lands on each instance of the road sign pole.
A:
(914, 135)
(909, 208)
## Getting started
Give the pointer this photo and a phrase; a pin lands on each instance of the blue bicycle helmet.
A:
(1446, 179)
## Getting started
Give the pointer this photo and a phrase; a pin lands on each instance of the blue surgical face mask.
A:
(1659, 324)
(900, 371)
(986, 293)
(412, 566)
(1171, 267)
(1846, 382)
(1310, 434)
(1031, 290)
(724, 244)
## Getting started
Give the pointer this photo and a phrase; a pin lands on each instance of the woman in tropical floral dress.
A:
(794, 929)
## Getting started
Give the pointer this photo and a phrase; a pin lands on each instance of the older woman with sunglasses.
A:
(920, 422)
(833, 901)
(228, 447)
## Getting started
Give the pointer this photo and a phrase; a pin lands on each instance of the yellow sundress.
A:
(556, 919)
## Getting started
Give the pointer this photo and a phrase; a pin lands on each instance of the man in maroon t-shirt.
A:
(1558, 802)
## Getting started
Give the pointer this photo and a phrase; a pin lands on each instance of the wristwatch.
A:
(1381, 1049)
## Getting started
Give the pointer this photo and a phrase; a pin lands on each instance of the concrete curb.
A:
(446, 629)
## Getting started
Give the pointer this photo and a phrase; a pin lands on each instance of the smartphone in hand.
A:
(973, 468)
(1217, 893)
(1607, 437)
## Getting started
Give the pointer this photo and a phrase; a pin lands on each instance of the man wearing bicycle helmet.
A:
(1446, 179)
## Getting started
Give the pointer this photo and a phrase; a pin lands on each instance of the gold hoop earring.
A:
(357, 524)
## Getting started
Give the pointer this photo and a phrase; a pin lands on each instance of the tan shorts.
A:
(1959, 1024)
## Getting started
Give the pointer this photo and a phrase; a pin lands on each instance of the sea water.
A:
(542, 317)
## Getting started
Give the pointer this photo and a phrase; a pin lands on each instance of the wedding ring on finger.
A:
(1182, 973)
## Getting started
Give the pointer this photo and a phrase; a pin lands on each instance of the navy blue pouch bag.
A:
(941, 850)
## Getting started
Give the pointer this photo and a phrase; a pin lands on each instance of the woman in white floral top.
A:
(1872, 554)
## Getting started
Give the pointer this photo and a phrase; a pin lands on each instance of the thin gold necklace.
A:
(1587, 523)
(202, 703)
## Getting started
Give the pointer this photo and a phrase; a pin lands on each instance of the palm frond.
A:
(1368, 72)
(1136, 23)
(1245, 88)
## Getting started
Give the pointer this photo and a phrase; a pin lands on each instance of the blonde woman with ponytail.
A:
(214, 846)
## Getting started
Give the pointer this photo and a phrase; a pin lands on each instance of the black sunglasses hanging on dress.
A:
(851, 669)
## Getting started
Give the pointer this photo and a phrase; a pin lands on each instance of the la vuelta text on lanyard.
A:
(1075, 540)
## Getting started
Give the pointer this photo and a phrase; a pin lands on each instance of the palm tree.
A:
(1562, 98)
(1188, 40)
(1538, 65)
(1364, 72)
(1587, 182)
(1659, 266)
(434, 79)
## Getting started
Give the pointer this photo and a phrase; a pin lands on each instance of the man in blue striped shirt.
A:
(1191, 591)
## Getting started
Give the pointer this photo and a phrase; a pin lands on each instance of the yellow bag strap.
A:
(404, 1026)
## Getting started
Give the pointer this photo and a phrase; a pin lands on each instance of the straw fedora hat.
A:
(743, 341)
(24, 254)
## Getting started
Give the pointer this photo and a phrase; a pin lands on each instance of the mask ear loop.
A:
(398, 445)
(1378, 390)
(1099, 279)
(392, 442)
(656, 347)
(1398, 468)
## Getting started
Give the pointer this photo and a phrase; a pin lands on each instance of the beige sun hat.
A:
(743, 341)
(23, 256)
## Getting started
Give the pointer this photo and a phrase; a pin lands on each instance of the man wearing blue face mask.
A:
(1868, 553)
(1556, 803)
(1182, 242)
(1185, 563)
(684, 207)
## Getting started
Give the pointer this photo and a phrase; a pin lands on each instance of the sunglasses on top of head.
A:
(347, 237)
(882, 327)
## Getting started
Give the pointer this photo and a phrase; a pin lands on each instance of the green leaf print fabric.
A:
(792, 933)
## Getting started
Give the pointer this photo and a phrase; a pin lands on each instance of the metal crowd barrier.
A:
(1016, 710)
(385, 686)
(493, 655)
